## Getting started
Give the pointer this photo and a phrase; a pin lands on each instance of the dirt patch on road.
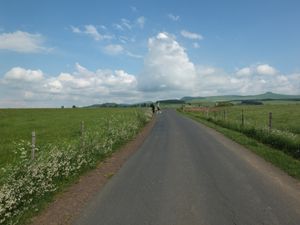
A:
(71, 202)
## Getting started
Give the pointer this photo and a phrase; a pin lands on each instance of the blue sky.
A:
(85, 52)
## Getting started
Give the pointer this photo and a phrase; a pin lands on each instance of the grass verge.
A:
(278, 158)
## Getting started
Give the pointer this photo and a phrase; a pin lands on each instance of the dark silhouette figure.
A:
(153, 108)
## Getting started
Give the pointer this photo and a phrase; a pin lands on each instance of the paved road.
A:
(188, 174)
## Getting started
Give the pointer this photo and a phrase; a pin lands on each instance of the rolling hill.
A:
(265, 96)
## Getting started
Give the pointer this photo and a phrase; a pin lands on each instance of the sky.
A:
(55, 53)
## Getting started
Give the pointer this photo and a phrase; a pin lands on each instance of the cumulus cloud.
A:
(167, 67)
(244, 71)
(190, 35)
(18, 74)
(265, 69)
(81, 87)
(167, 72)
(173, 17)
(260, 78)
(22, 42)
(261, 69)
(91, 31)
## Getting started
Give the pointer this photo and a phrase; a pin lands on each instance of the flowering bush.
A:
(27, 181)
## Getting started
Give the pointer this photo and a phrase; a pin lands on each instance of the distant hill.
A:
(172, 101)
(107, 105)
(265, 96)
(187, 99)
(116, 105)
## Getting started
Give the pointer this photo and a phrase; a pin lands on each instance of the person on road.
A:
(158, 108)
(153, 108)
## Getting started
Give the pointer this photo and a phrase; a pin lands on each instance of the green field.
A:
(63, 152)
(280, 145)
(52, 126)
(253, 121)
(284, 117)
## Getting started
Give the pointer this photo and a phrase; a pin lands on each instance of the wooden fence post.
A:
(243, 119)
(82, 128)
(82, 133)
(270, 121)
(33, 139)
(224, 114)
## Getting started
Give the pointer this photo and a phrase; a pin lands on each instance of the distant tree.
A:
(74, 106)
(62, 107)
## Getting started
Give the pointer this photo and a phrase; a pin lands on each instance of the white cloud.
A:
(167, 67)
(118, 26)
(116, 49)
(173, 17)
(191, 35)
(141, 21)
(23, 42)
(91, 31)
(168, 72)
(126, 23)
(113, 49)
(134, 55)
(75, 29)
(18, 74)
(261, 69)
(244, 71)
(265, 69)
(82, 87)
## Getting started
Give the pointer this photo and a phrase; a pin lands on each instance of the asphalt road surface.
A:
(186, 174)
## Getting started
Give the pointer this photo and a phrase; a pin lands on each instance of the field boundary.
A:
(68, 204)
(278, 158)
(279, 139)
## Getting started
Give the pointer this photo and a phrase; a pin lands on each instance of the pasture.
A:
(52, 126)
(64, 150)
(285, 117)
(254, 121)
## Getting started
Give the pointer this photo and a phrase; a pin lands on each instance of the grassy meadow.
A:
(280, 146)
(285, 117)
(63, 152)
(284, 134)
(52, 126)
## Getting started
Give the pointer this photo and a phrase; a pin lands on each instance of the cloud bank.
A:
(167, 72)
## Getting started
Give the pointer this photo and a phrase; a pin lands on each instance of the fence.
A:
(41, 173)
(283, 140)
